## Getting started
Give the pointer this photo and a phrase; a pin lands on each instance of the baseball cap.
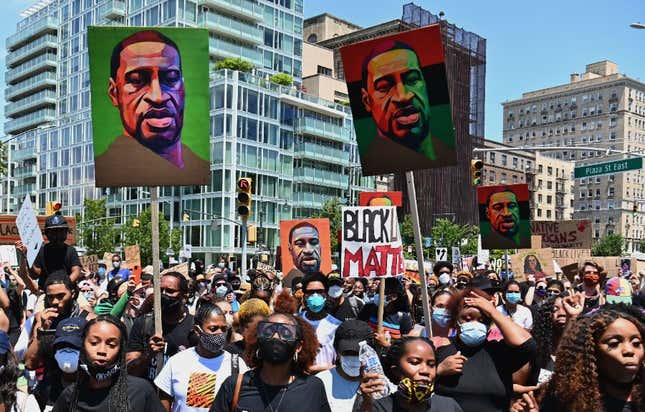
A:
(56, 221)
(335, 279)
(482, 283)
(5, 346)
(350, 333)
(70, 331)
(618, 290)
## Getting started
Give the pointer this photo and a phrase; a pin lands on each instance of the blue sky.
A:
(529, 46)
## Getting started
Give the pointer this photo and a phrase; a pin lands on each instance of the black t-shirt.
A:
(304, 393)
(141, 398)
(437, 403)
(398, 323)
(346, 311)
(176, 337)
(51, 258)
(610, 404)
(486, 383)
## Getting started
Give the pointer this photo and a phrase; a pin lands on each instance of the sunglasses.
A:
(285, 331)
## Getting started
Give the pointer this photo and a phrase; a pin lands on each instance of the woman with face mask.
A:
(280, 349)
(102, 382)
(412, 364)
(472, 361)
(441, 303)
(190, 379)
(592, 276)
(513, 308)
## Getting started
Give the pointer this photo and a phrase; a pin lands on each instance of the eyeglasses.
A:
(285, 331)
(552, 292)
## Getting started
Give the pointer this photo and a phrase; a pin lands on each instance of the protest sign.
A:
(107, 258)
(566, 257)
(400, 137)
(504, 216)
(164, 142)
(380, 199)
(568, 234)
(181, 268)
(30, 232)
(132, 256)
(8, 255)
(90, 262)
(456, 255)
(9, 231)
(371, 242)
(536, 262)
(305, 246)
(612, 265)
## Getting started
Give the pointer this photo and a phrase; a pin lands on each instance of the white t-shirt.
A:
(325, 332)
(193, 381)
(25, 403)
(522, 316)
(341, 392)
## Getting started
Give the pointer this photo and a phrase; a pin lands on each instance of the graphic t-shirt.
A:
(193, 380)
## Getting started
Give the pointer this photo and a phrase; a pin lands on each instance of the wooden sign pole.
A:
(154, 209)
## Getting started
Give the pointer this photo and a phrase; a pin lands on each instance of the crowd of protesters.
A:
(73, 340)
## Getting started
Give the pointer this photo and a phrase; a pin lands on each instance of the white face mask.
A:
(351, 365)
(116, 264)
(444, 278)
(67, 359)
(335, 291)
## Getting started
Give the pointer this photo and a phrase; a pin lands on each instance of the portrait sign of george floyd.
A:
(398, 92)
(305, 247)
(504, 216)
(150, 106)
(371, 244)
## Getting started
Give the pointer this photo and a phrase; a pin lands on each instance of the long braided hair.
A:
(118, 396)
(543, 331)
(575, 383)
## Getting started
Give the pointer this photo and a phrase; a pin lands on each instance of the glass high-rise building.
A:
(300, 150)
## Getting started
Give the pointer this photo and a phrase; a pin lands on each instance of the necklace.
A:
(266, 399)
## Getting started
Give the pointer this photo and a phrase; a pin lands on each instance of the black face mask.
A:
(169, 303)
(102, 373)
(275, 351)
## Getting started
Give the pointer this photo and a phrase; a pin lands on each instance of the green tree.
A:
(142, 235)
(447, 234)
(608, 245)
(641, 245)
(4, 165)
(98, 232)
(282, 78)
(332, 210)
(234, 64)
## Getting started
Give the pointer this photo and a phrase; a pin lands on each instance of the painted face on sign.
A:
(304, 246)
(503, 212)
(149, 92)
(380, 201)
(396, 95)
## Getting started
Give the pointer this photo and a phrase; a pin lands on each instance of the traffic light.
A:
(52, 207)
(244, 197)
(635, 210)
(476, 167)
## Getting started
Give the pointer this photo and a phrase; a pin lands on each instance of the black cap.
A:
(350, 333)
(334, 279)
(482, 283)
(56, 221)
(70, 332)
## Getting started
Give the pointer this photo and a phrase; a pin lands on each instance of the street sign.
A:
(441, 253)
(618, 166)
(427, 241)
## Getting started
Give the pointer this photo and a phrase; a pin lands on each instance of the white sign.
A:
(8, 255)
(441, 253)
(371, 242)
(30, 233)
(456, 255)
(188, 251)
(483, 255)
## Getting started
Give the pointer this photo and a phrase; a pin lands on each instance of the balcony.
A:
(46, 25)
(320, 177)
(25, 172)
(113, 9)
(31, 120)
(33, 84)
(43, 98)
(232, 28)
(22, 54)
(24, 190)
(244, 9)
(308, 199)
(223, 49)
(31, 67)
(323, 153)
(23, 154)
(316, 127)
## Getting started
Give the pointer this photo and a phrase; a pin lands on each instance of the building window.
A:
(549, 185)
(548, 214)
(539, 212)
(549, 199)
(324, 70)
(313, 38)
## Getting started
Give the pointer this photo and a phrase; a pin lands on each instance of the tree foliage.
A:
(142, 236)
(332, 210)
(445, 233)
(98, 232)
(608, 245)
(282, 78)
(234, 64)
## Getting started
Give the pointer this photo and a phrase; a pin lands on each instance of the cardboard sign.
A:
(570, 271)
(270, 270)
(107, 258)
(536, 262)
(504, 216)
(9, 231)
(181, 268)
(416, 131)
(30, 232)
(8, 255)
(177, 152)
(569, 234)
(380, 199)
(132, 256)
(305, 247)
(371, 244)
(90, 262)
(612, 265)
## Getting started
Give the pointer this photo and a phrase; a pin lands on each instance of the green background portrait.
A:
(193, 49)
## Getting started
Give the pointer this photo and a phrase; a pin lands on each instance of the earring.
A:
(295, 357)
(258, 354)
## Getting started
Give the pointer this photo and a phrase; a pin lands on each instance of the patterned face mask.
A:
(415, 391)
